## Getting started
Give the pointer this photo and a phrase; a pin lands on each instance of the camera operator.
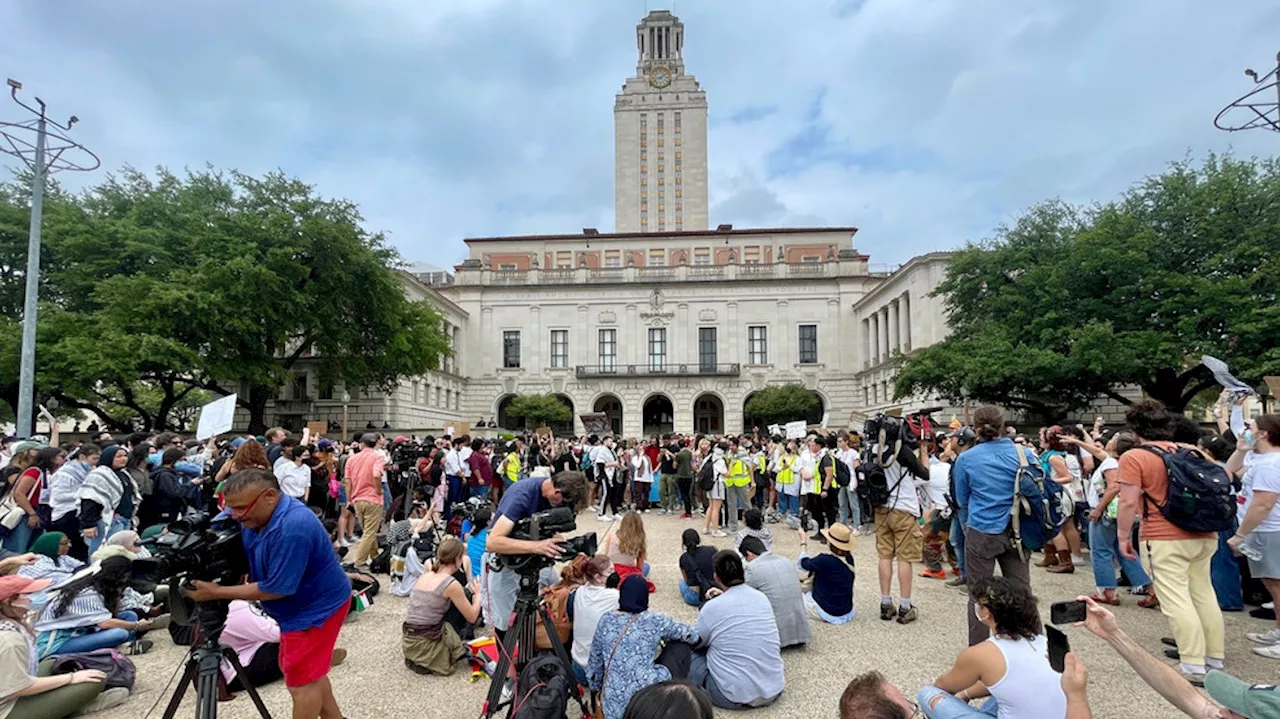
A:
(521, 501)
(295, 574)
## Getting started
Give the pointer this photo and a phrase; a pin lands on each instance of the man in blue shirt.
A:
(295, 574)
(984, 479)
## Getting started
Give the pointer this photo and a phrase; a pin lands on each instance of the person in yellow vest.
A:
(511, 465)
(788, 483)
(737, 484)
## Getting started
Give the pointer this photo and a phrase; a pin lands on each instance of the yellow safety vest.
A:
(786, 475)
(738, 474)
(513, 466)
(817, 474)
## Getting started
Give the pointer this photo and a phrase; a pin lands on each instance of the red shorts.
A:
(305, 656)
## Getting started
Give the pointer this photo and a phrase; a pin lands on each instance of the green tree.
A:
(782, 403)
(539, 410)
(1071, 303)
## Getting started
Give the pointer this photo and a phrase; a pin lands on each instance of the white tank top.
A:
(1029, 687)
(589, 604)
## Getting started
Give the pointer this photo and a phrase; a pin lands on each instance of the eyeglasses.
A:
(240, 513)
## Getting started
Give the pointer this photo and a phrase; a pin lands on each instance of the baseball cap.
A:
(1255, 701)
(15, 584)
(235, 443)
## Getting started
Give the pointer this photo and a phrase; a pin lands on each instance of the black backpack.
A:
(876, 477)
(707, 474)
(1199, 498)
(842, 471)
(542, 690)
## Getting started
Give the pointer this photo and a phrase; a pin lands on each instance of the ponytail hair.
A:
(988, 422)
(690, 540)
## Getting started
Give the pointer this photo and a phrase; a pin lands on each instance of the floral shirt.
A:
(632, 667)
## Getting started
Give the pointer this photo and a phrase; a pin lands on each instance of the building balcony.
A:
(731, 369)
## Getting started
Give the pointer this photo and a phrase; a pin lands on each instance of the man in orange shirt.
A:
(1177, 560)
(364, 478)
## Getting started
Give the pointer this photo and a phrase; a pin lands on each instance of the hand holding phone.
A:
(1068, 612)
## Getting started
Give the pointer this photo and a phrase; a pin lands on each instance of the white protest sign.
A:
(775, 430)
(826, 416)
(216, 417)
(797, 429)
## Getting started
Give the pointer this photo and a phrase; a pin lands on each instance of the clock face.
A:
(659, 77)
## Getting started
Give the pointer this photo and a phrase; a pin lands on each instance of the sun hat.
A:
(1255, 701)
(839, 536)
(28, 444)
(15, 584)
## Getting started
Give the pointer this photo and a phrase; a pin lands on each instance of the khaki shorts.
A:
(898, 535)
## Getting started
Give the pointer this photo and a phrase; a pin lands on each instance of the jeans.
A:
(951, 708)
(788, 503)
(958, 522)
(386, 497)
(105, 530)
(849, 507)
(101, 639)
(1104, 550)
(455, 493)
(690, 596)
(700, 676)
(1224, 572)
(481, 491)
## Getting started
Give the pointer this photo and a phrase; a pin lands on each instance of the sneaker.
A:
(1139, 591)
(160, 622)
(1079, 561)
(1271, 652)
(686, 515)
(339, 656)
(719, 533)
(603, 518)
(887, 612)
(1173, 654)
(1269, 605)
(1194, 678)
(1266, 638)
(1168, 641)
(933, 574)
(140, 646)
(957, 582)
(1263, 613)
(112, 697)
(706, 531)
(344, 543)
(909, 615)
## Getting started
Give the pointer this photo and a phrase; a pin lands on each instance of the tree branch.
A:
(1117, 396)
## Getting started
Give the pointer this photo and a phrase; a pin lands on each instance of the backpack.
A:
(1037, 515)
(557, 603)
(118, 668)
(707, 474)
(542, 690)
(875, 472)
(1199, 498)
(842, 477)
(381, 564)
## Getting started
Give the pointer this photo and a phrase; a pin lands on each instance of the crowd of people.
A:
(943, 506)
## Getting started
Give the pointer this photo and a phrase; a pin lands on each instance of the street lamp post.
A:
(47, 154)
(346, 399)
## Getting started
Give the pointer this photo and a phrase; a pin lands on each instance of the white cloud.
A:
(922, 123)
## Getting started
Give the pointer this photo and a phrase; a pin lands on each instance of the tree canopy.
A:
(538, 410)
(783, 403)
(1070, 303)
(155, 288)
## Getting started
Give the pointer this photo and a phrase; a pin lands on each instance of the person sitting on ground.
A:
(84, 614)
(672, 698)
(628, 548)
(775, 578)
(697, 566)
(831, 599)
(625, 644)
(754, 519)
(430, 644)
(741, 667)
(586, 605)
(871, 696)
(27, 691)
(53, 562)
(255, 638)
(1012, 667)
(1229, 698)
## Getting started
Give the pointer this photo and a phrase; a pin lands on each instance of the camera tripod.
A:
(204, 666)
(529, 610)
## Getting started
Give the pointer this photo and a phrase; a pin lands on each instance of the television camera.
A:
(545, 525)
(910, 428)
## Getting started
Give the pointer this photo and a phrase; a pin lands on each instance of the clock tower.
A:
(660, 136)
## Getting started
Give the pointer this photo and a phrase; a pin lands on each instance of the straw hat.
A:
(839, 536)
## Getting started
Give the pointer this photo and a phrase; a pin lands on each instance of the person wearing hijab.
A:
(626, 641)
(53, 562)
(108, 498)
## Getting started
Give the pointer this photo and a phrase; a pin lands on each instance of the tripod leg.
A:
(188, 676)
(563, 655)
(508, 656)
(244, 681)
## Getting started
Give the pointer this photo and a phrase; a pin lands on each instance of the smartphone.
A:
(1058, 648)
(1068, 612)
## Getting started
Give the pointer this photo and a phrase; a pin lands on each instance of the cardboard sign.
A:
(797, 429)
(1273, 384)
(595, 423)
(318, 428)
(216, 417)
(455, 429)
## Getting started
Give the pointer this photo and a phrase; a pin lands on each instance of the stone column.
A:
(732, 331)
(873, 344)
(638, 351)
(487, 341)
(585, 351)
(683, 328)
(534, 342)
(830, 338)
(864, 348)
(892, 310)
(780, 351)
(885, 348)
(904, 311)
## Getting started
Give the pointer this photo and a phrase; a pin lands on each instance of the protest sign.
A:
(797, 429)
(216, 417)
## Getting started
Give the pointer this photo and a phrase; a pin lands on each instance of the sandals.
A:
(1106, 598)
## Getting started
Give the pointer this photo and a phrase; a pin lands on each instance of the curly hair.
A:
(250, 454)
(1013, 606)
(1150, 420)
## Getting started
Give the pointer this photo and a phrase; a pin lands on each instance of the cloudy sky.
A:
(923, 122)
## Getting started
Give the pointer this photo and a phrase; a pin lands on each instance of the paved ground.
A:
(374, 682)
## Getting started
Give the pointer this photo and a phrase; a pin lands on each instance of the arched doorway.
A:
(658, 415)
(505, 420)
(611, 406)
(708, 414)
(813, 415)
(564, 429)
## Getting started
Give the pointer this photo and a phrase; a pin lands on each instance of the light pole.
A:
(1258, 108)
(346, 399)
(47, 154)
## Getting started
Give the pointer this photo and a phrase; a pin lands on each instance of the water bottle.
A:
(1249, 551)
